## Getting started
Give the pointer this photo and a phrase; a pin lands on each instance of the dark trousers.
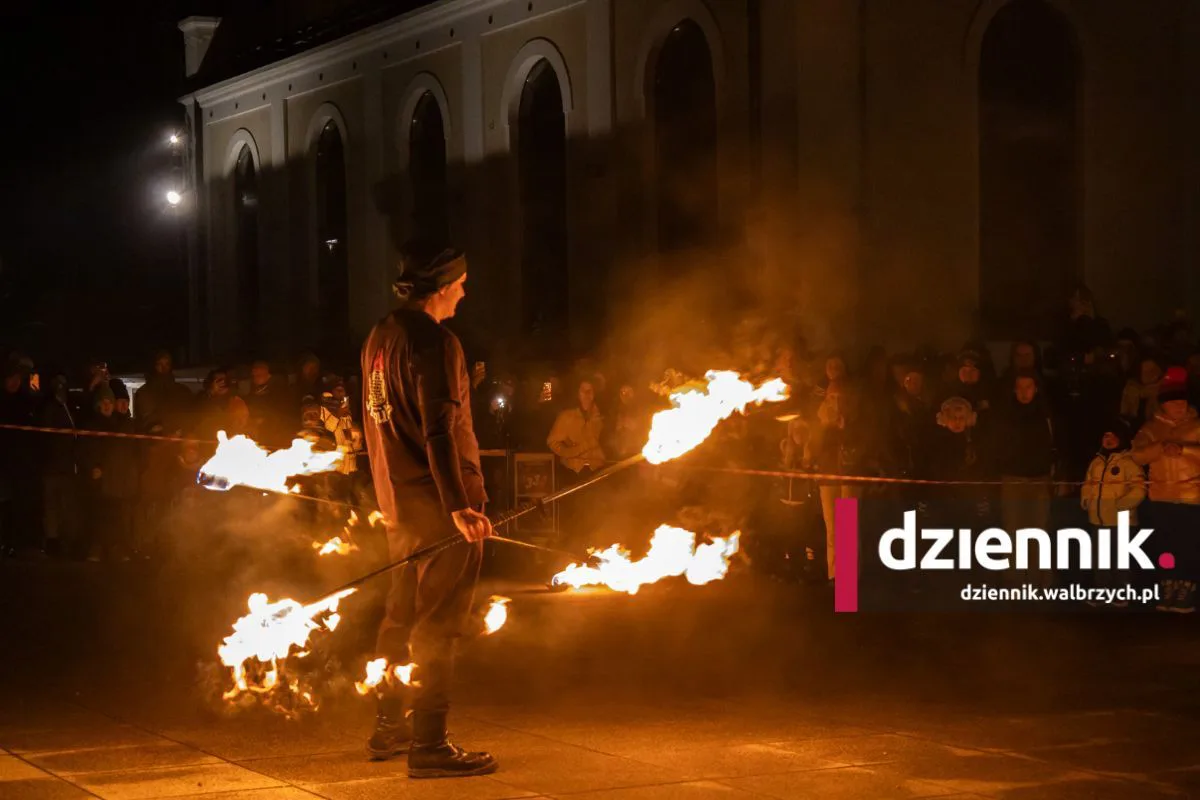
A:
(428, 605)
(60, 504)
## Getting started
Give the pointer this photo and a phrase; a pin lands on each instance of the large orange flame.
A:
(673, 552)
(240, 461)
(698, 410)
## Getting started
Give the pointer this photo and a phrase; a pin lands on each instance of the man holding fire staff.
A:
(426, 469)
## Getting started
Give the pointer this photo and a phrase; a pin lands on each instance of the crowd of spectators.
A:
(1099, 422)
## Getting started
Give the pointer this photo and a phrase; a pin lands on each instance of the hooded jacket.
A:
(1115, 483)
(1173, 479)
(1139, 401)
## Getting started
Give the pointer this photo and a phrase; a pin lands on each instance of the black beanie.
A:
(425, 268)
(1121, 429)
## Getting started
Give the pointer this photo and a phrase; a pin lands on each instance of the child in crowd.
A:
(957, 454)
(1169, 445)
(1115, 483)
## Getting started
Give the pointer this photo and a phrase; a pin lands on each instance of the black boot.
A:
(432, 754)
(393, 733)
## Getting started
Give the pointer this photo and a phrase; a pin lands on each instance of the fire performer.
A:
(426, 469)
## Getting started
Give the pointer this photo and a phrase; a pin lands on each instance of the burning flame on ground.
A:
(698, 411)
(267, 636)
(673, 552)
(240, 461)
(497, 615)
(379, 671)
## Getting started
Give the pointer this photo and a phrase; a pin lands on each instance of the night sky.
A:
(90, 258)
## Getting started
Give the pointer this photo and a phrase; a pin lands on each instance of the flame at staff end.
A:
(673, 552)
(240, 461)
(496, 616)
(697, 412)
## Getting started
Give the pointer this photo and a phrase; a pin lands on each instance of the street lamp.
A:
(174, 198)
(174, 139)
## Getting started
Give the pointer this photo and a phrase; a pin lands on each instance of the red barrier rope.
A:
(106, 434)
(832, 478)
(813, 476)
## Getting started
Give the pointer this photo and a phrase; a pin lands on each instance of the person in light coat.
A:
(1115, 483)
(1169, 445)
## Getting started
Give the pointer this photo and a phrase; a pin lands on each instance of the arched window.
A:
(685, 140)
(333, 271)
(542, 173)
(249, 292)
(427, 170)
(1029, 176)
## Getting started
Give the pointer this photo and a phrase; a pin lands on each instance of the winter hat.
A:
(102, 393)
(425, 268)
(1120, 428)
(1173, 385)
(957, 405)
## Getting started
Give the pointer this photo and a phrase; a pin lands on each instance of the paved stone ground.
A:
(740, 689)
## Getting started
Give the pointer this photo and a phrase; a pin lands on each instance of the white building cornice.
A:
(353, 45)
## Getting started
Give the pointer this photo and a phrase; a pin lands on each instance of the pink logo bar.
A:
(845, 548)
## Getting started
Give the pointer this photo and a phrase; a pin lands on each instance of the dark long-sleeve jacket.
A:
(417, 414)
(162, 403)
(118, 459)
(960, 457)
(1024, 440)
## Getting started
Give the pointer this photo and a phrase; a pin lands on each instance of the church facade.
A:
(865, 170)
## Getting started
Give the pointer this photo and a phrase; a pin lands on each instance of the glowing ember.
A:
(378, 671)
(241, 462)
(697, 411)
(341, 545)
(334, 545)
(672, 553)
(263, 639)
(497, 615)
